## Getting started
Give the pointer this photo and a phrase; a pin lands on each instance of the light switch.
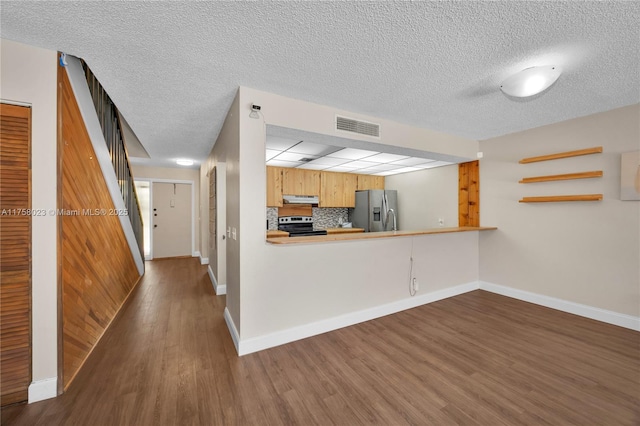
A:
(235, 234)
(172, 202)
(228, 232)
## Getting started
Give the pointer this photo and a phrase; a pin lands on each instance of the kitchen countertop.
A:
(372, 235)
(277, 234)
(331, 231)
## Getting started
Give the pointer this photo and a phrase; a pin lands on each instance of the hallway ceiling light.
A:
(530, 81)
(184, 162)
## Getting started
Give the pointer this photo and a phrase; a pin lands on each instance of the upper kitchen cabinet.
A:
(300, 182)
(370, 182)
(274, 186)
(338, 189)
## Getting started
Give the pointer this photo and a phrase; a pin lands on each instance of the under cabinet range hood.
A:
(300, 199)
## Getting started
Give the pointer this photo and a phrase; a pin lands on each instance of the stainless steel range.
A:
(298, 226)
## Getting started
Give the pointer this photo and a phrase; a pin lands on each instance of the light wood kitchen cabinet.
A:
(338, 189)
(274, 186)
(370, 182)
(300, 182)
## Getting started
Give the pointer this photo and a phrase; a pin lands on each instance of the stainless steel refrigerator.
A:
(376, 210)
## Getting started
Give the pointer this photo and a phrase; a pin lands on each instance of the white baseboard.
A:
(204, 260)
(232, 329)
(301, 332)
(195, 254)
(610, 317)
(43, 389)
(218, 288)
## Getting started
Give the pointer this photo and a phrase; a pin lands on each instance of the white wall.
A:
(227, 150)
(29, 75)
(170, 173)
(426, 196)
(283, 287)
(583, 252)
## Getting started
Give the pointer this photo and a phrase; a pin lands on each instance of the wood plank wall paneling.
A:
(15, 253)
(469, 194)
(97, 268)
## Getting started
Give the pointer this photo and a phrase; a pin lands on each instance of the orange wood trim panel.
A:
(567, 176)
(59, 204)
(98, 270)
(469, 194)
(15, 253)
(559, 198)
(587, 151)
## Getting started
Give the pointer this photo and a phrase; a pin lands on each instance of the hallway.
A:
(478, 358)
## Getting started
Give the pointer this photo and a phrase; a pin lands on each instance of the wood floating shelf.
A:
(568, 176)
(560, 198)
(587, 151)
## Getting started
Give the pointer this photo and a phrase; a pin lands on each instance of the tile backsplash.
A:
(329, 217)
(272, 218)
(322, 217)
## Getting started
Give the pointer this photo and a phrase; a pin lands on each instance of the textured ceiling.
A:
(173, 68)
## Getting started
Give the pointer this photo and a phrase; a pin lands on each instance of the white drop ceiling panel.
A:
(330, 161)
(280, 144)
(386, 158)
(405, 170)
(311, 166)
(313, 148)
(380, 168)
(411, 161)
(352, 154)
(341, 169)
(359, 164)
(281, 163)
(272, 153)
(292, 156)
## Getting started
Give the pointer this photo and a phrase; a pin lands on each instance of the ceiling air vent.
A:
(356, 126)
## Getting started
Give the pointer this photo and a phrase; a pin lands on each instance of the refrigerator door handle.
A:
(385, 206)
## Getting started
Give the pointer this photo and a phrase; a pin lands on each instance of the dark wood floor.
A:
(478, 358)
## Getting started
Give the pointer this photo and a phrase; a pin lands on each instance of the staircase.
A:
(104, 127)
(111, 125)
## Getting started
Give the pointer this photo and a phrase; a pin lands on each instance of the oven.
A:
(298, 226)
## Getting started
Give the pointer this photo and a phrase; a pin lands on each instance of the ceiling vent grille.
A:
(356, 126)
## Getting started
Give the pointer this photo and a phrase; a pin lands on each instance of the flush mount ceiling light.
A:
(184, 162)
(530, 81)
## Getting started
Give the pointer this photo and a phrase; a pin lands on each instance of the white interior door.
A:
(171, 219)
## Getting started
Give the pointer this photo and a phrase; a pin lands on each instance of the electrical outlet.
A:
(416, 286)
(440, 222)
